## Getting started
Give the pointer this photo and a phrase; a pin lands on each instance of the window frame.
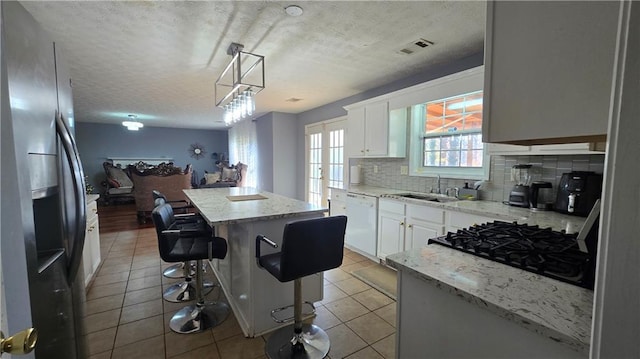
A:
(445, 87)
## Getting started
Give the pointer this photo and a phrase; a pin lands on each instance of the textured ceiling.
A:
(160, 60)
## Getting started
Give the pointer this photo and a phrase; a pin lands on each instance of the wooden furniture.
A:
(91, 253)
(548, 71)
(251, 291)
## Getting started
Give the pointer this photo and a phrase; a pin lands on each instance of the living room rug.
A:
(380, 277)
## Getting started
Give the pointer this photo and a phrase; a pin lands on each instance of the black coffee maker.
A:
(577, 192)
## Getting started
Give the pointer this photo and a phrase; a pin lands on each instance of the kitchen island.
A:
(239, 214)
(455, 305)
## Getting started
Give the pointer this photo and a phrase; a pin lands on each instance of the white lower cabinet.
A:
(403, 226)
(338, 204)
(91, 251)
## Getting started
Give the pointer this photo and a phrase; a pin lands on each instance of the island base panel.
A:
(433, 323)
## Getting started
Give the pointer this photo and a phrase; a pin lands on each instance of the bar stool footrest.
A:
(275, 318)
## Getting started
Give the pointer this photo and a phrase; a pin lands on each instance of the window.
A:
(446, 128)
(452, 132)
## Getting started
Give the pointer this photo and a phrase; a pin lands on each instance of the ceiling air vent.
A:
(293, 99)
(415, 45)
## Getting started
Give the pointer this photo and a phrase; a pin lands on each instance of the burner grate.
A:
(539, 250)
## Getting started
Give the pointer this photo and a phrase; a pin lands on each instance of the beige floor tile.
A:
(103, 355)
(372, 299)
(352, 286)
(324, 318)
(336, 275)
(357, 257)
(139, 330)
(144, 282)
(332, 293)
(101, 321)
(122, 246)
(239, 347)
(145, 263)
(357, 265)
(144, 272)
(172, 307)
(388, 313)
(346, 309)
(117, 261)
(111, 269)
(103, 304)
(101, 341)
(99, 291)
(386, 347)
(366, 353)
(346, 261)
(371, 328)
(182, 343)
(227, 329)
(119, 253)
(344, 341)
(207, 352)
(152, 348)
(140, 311)
(106, 278)
(142, 295)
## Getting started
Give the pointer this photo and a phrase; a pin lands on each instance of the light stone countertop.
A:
(497, 210)
(92, 197)
(216, 208)
(557, 310)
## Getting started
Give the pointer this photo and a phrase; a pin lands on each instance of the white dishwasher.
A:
(362, 223)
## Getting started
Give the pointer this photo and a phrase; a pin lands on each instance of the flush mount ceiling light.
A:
(238, 83)
(132, 125)
(293, 10)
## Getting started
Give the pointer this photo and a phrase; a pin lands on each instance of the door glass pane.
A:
(315, 163)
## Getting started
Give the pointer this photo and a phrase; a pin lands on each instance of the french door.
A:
(325, 159)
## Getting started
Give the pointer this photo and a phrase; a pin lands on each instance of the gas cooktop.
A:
(539, 250)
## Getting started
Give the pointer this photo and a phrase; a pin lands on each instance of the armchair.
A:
(118, 185)
(228, 176)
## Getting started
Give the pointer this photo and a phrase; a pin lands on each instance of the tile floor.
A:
(127, 317)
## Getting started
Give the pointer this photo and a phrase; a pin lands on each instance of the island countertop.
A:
(216, 207)
(551, 308)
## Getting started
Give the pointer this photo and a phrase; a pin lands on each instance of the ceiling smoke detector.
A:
(293, 10)
(415, 45)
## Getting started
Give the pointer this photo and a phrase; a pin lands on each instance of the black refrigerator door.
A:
(77, 215)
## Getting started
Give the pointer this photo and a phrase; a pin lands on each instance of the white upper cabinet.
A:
(548, 71)
(374, 131)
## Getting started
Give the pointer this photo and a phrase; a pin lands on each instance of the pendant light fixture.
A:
(237, 85)
(132, 124)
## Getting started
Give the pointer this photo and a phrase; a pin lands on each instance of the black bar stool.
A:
(308, 246)
(183, 245)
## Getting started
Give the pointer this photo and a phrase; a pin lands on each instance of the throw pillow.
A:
(212, 178)
(121, 178)
(229, 175)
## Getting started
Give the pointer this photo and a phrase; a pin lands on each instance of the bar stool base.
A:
(196, 318)
(175, 271)
(185, 291)
(315, 343)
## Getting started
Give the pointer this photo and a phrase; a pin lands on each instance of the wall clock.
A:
(196, 151)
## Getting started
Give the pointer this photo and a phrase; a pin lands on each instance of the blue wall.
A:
(96, 142)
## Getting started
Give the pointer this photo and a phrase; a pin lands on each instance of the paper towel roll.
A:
(355, 175)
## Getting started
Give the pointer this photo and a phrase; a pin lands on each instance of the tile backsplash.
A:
(497, 188)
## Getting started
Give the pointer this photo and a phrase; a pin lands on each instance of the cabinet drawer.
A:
(92, 210)
(338, 195)
(425, 213)
(391, 206)
(464, 220)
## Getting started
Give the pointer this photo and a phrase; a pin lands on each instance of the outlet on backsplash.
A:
(404, 170)
(375, 168)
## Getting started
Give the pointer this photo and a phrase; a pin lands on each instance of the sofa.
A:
(226, 176)
(165, 178)
(118, 185)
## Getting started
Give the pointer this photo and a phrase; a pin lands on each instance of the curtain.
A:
(243, 147)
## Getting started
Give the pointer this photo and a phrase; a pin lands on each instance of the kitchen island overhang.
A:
(239, 214)
(505, 312)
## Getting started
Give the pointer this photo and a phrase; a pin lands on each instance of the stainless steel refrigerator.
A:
(50, 180)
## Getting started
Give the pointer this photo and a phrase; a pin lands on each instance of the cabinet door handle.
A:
(402, 223)
(367, 150)
(90, 229)
(95, 210)
(410, 226)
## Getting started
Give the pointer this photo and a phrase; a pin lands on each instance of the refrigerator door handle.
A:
(77, 178)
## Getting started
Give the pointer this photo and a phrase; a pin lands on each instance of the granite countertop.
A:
(216, 208)
(557, 310)
(92, 197)
(497, 210)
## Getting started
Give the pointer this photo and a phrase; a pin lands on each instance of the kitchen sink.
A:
(425, 197)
